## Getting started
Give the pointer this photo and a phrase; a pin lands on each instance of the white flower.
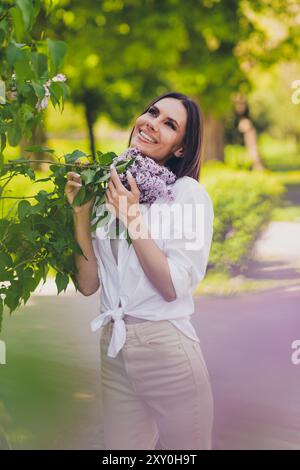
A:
(59, 78)
(42, 104)
(47, 91)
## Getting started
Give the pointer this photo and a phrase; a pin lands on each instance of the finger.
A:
(112, 188)
(71, 175)
(108, 201)
(108, 193)
(115, 178)
(133, 186)
(73, 185)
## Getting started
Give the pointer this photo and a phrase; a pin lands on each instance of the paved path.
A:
(247, 341)
(280, 241)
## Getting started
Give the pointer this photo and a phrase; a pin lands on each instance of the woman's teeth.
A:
(145, 137)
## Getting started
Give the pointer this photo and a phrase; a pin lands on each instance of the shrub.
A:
(243, 203)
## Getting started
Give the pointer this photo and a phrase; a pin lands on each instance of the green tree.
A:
(124, 52)
(28, 72)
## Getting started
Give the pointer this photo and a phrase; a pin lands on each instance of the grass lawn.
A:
(50, 380)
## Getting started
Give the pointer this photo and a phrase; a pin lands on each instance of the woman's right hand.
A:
(72, 187)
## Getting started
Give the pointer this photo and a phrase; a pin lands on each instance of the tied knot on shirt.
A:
(118, 314)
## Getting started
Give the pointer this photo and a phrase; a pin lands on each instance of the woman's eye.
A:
(171, 125)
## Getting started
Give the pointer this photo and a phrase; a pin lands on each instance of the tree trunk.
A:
(213, 139)
(38, 137)
(90, 126)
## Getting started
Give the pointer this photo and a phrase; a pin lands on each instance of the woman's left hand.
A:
(122, 203)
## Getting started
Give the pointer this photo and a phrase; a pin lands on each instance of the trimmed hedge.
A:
(243, 203)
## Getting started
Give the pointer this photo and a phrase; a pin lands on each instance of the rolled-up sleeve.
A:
(187, 246)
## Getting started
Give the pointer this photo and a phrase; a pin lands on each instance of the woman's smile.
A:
(145, 137)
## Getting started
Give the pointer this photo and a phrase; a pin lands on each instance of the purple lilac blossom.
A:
(151, 178)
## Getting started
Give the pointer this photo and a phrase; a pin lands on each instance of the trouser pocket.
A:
(196, 359)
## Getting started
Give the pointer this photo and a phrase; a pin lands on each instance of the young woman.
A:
(154, 381)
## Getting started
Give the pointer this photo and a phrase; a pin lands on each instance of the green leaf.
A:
(72, 157)
(4, 225)
(103, 178)
(13, 53)
(100, 199)
(26, 9)
(38, 89)
(2, 35)
(44, 269)
(12, 298)
(122, 167)
(5, 260)
(88, 175)
(39, 148)
(30, 172)
(24, 208)
(19, 29)
(129, 241)
(80, 196)
(56, 91)
(26, 112)
(61, 280)
(101, 221)
(23, 69)
(39, 63)
(14, 135)
(57, 51)
(3, 142)
(107, 158)
(65, 90)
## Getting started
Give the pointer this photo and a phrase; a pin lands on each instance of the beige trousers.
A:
(157, 387)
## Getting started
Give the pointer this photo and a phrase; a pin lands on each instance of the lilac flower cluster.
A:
(151, 178)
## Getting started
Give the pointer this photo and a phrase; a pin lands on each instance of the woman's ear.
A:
(179, 152)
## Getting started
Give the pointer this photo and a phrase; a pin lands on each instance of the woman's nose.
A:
(152, 125)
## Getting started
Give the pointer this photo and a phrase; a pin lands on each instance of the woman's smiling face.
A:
(160, 131)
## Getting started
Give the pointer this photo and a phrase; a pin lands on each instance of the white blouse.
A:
(183, 230)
